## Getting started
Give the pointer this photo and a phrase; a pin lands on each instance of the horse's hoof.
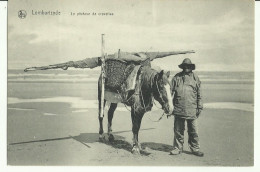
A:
(101, 138)
(136, 150)
(111, 138)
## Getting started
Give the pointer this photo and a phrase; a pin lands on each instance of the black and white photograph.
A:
(130, 83)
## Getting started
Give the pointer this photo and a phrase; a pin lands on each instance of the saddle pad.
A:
(131, 79)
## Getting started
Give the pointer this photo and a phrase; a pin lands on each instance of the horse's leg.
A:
(136, 123)
(111, 111)
(101, 130)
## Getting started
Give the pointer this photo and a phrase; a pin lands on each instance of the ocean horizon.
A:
(80, 75)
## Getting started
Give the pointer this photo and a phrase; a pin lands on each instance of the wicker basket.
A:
(115, 73)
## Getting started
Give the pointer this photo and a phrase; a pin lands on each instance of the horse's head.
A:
(162, 91)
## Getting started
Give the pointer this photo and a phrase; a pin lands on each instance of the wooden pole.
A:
(102, 75)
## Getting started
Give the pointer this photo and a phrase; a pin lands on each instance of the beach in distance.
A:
(52, 119)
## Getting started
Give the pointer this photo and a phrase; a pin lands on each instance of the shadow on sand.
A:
(161, 147)
(85, 138)
(158, 146)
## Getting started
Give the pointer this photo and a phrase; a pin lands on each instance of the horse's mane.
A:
(143, 101)
(148, 75)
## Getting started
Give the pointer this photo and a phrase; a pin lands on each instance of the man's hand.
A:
(198, 113)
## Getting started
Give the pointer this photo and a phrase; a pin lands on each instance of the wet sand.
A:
(58, 133)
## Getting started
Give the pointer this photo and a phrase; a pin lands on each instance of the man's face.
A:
(187, 69)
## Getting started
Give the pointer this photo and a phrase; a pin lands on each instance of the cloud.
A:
(220, 32)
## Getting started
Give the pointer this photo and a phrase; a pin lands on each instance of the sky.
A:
(220, 32)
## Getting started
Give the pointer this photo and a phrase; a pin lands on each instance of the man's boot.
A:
(198, 153)
(175, 151)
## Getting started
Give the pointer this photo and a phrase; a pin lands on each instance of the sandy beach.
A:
(56, 123)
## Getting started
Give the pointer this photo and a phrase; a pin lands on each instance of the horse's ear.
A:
(160, 75)
(168, 74)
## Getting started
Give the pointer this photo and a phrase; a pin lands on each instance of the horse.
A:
(150, 85)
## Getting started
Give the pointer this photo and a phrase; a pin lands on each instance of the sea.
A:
(221, 90)
(16, 75)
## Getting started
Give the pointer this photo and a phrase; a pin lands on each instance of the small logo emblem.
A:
(22, 14)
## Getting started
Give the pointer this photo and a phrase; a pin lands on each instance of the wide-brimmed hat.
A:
(187, 62)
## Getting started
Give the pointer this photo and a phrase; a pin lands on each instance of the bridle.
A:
(160, 95)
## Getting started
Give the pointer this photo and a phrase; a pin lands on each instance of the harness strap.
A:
(160, 95)
(142, 98)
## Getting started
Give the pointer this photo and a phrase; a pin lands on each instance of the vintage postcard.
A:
(130, 83)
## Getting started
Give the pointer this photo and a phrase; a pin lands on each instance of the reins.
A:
(160, 95)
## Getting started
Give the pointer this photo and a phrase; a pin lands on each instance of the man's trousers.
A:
(179, 127)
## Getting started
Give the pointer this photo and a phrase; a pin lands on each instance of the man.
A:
(187, 107)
